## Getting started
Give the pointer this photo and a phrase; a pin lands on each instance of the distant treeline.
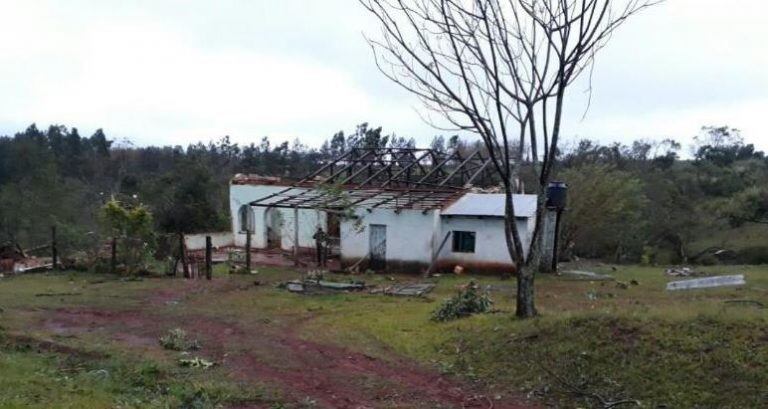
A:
(627, 203)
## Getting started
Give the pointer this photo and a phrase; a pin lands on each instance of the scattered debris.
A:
(596, 295)
(30, 267)
(708, 282)
(682, 272)
(56, 294)
(407, 290)
(16, 260)
(295, 286)
(177, 340)
(99, 373)
(317, 286)
(755, 303)
(196, 362)
(468, 301)
(342, 286)
(585, 276)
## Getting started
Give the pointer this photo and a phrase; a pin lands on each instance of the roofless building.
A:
(390, 209)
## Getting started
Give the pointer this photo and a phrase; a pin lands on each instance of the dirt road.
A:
(302, 370)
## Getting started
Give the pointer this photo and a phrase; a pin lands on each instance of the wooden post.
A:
(248, 251)
(183, 251)
(54, 250)
(113, 258)
(208, 256)
(555, 250)
(295, 235)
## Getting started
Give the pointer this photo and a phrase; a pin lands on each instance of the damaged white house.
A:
(403, 210)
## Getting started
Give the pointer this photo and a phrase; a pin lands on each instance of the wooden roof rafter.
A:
(395, 178)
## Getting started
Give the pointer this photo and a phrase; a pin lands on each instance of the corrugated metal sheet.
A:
(490, 204)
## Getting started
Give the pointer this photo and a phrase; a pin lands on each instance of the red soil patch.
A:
(332, 376)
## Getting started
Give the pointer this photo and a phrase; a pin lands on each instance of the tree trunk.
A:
(681, 250)
(525, 297)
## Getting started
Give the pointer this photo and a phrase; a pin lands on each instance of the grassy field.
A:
(595, 343)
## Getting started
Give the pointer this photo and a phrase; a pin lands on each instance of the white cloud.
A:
(175, 72)
(681, 125)
(144, 80)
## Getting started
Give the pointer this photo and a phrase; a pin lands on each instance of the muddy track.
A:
(330, 375)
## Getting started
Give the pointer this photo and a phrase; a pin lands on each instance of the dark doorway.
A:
(378, 247)
(274, 221)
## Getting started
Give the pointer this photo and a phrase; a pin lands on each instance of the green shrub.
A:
(177, 340)
(708, 260)
(468, 301)
(753, 255)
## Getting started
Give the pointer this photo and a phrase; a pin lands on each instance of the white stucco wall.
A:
(490, 243)
(308, 219)
(413, 237)
(409, 235)
(197, 241)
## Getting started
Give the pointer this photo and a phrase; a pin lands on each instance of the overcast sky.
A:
(176, 72)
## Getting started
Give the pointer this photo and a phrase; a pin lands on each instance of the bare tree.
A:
(499, 69)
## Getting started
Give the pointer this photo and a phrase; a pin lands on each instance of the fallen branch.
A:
(56, 294)
(754, 302)
(581, 391)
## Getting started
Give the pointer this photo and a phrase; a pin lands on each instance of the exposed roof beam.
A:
(458, 168)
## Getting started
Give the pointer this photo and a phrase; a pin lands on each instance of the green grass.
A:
(35, 378)
(736, 238)
(41, 369)
(679, 349)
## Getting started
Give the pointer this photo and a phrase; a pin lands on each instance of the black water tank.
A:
(557, 193)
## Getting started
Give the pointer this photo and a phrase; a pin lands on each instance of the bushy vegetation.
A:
(642, 203)
(58, 177)
(628, 203)
(178, 340)
(132, 229)
(469, 300)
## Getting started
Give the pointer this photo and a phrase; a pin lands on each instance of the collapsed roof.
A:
(390, 178)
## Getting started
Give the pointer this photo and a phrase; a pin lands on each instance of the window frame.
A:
(460, 241)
